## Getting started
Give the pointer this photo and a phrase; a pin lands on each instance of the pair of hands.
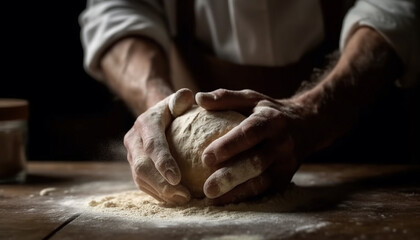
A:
(279, 132)
(263, 147)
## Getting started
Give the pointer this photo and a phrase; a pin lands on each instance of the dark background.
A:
(74, 117)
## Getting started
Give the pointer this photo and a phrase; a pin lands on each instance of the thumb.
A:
(180, 101)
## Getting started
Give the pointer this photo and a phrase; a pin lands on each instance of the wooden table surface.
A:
(354, 202)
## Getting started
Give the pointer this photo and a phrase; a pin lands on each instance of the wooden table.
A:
(354, 202)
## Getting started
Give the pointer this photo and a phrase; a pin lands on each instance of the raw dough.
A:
(188, 136)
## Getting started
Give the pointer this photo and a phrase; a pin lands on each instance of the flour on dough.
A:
(188, 136)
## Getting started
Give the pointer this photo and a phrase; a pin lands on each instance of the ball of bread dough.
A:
(188, 136)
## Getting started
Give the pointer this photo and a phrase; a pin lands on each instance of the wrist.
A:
(157, 90)
(324, 117)
(136, 70)
(367, 67)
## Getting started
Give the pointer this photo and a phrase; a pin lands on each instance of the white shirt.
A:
(257, 32)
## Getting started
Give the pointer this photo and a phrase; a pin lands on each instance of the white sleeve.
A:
(398, 22)
(105, 21)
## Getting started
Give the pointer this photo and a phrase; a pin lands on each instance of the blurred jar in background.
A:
(13, 135)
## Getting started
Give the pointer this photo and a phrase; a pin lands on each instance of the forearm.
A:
(367, 66)
(136, 69)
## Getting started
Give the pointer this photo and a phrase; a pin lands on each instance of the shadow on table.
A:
(323, 198)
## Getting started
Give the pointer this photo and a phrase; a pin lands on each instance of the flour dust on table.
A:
(137, 204)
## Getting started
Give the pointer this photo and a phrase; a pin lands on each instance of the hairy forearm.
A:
(136, 70)
(366, 67)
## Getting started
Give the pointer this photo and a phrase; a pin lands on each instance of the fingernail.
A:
(206, 95)
(179, 200)
(212, 190)
(209, 159)
(171, 177)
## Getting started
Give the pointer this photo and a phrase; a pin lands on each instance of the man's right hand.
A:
(154, 169)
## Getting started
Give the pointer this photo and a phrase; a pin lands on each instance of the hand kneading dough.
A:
(188, 136)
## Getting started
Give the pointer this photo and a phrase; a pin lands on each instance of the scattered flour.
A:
(269, 217)
(235, 237)
(136, 204)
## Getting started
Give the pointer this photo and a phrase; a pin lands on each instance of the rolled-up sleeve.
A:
(398, 22)
(105, 21)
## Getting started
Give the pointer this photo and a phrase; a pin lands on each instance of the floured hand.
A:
(256, 155)
(153, 167)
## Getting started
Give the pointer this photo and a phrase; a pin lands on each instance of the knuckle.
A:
(126, 140)
(267, 113)
(221, 92)
(150, 144)
(128, 137)
(264, 103)
(150, 116)
(249, 130)
(250, 93)
(140, 165)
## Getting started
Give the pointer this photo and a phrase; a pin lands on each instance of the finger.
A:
(150, 191)
(175, 200)
(146, 175)
(145, 187)
(245, 167)
(141, 184)
(246, 190)
(239, 171)
(158, 150)
(131, 141)
(128, 138)
(180, 101)
(223, 99)
(155, 145)
(251, 131)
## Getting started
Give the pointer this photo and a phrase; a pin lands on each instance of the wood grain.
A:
(353, 202)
